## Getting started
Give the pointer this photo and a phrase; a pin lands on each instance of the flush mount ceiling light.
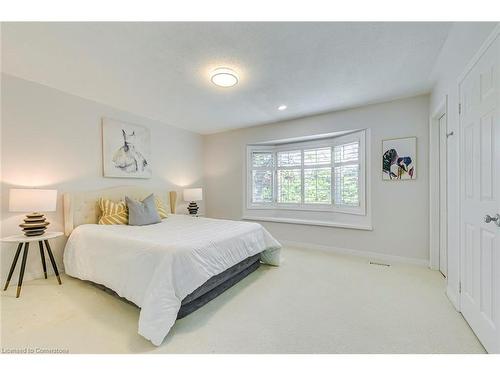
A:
(224, 77)
(282, 107)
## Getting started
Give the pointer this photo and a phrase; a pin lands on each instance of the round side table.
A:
(25, 240)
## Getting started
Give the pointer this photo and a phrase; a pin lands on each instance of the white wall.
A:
(399, 209)
(463, 42)
(53, 139)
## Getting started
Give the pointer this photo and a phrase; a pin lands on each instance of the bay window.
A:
(320, 175)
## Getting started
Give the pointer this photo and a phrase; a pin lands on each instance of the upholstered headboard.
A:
(82, 208)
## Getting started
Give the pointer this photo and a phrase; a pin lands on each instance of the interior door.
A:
(480, 196)
(443, 204)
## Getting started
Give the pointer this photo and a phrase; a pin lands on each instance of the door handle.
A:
(489, 219)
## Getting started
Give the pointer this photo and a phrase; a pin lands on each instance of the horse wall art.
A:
(126, 150)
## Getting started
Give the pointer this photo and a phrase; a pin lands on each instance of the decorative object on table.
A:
(126, 150)
(399, 159)
(173, 201)
(22, 240)
(35, 201)
(192, 196)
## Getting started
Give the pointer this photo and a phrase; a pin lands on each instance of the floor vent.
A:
(379, 264)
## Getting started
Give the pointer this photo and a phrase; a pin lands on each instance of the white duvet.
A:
(156, 266)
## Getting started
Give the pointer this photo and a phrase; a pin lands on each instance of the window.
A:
(318, 176)
(322, 175)
(262, 177)
(289, 180)
(346, 172)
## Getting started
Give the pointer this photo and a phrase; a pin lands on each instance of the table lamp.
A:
(34, 201)
(192, 196)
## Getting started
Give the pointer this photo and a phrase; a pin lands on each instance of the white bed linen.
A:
(156, 266)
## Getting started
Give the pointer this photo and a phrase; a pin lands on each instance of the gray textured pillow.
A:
(142, 213)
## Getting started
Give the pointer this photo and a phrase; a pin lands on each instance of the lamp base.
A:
(34, 224)
(193, 208)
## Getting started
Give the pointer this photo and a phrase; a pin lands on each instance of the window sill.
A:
(360, 211)
(308, 222)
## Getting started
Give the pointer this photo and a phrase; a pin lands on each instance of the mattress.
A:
(157, 266)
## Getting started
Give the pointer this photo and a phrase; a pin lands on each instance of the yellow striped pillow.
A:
(160, 208)
(113, 212)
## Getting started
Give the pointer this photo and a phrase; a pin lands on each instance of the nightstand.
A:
(25, 240)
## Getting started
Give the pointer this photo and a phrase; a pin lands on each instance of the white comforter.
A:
(156, 266)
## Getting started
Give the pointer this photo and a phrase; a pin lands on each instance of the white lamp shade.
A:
(32, 200)
(192, 195)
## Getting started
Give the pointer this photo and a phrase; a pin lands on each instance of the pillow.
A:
(142, 213)
(160, 208)
(113, 213)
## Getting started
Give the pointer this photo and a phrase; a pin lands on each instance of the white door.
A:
(443, 206)
(480, 196)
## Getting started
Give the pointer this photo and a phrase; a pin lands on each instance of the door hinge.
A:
(459, 108)
(459, 287)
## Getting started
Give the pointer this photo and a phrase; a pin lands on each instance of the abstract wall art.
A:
(399, 159)
(125, 149)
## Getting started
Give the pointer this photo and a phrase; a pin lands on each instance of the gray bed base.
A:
(215, 286)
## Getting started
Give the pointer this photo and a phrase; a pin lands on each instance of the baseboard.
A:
(454, 297)
(386, 258)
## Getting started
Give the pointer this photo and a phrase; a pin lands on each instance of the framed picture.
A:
(399, 159)
(126, 150)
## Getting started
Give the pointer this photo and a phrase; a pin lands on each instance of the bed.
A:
(168, 269)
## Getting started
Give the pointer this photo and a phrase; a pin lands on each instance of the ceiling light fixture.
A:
(282, 107)
(224, 77)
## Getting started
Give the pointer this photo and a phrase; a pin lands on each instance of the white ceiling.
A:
(160, 70)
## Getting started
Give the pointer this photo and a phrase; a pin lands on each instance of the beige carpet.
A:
(316, 302)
